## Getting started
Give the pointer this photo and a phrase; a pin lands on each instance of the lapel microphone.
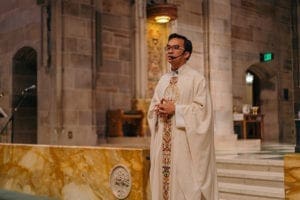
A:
(174, 57)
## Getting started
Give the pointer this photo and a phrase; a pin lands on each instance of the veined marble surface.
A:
(292, 176)
(71, 172)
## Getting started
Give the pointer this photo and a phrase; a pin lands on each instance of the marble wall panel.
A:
(292, 176)
(71, 172)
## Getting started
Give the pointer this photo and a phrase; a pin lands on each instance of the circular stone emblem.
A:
(120, 181)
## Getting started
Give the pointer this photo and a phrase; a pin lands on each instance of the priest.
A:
(180, 121)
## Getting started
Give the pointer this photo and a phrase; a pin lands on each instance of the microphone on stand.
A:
(28, 89)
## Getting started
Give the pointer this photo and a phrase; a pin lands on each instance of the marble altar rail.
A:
(75, 172)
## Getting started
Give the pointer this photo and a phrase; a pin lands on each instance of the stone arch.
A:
(24, 74)
(268, 98)
(263, 71)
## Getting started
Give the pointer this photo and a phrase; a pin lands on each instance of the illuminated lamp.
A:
(249, 78)
(162, 13)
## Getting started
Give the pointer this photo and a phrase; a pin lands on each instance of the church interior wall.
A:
(115, 75)
(69, 117)
(256, 28)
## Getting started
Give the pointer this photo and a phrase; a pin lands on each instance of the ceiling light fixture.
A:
(162, 12)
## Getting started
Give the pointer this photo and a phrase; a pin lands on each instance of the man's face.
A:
(175, 52)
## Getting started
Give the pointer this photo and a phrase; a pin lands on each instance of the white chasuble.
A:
(182, 146)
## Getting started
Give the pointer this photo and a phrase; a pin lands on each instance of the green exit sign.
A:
(265, 57)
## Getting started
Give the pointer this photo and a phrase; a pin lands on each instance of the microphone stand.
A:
(11, 118)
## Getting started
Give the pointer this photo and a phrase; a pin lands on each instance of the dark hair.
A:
(187, 43)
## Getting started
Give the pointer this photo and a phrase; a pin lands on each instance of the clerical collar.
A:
(178, 70)
(174, 72)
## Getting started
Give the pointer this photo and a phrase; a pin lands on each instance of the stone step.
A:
(232, 191)
(250, 179)
(267, 165)
(257, 178)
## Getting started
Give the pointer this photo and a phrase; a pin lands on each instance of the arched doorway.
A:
(24, 75)
(265, 96)
(252, 88)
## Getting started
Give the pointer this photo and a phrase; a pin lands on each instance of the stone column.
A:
(217, 19)
(140, 51)
(72, 74)
(141, 100)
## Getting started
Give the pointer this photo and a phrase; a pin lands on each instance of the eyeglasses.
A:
(174, 47)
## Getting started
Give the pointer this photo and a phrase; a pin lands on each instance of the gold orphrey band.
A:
(171, 93)
(166, 158)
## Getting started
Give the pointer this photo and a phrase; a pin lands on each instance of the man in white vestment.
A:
(180, 120)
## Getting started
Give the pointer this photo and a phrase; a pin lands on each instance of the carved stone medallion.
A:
(120, 181)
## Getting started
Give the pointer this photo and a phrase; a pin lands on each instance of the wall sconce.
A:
(162, 12)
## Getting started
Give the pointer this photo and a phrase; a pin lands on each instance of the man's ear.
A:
(187, 55)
